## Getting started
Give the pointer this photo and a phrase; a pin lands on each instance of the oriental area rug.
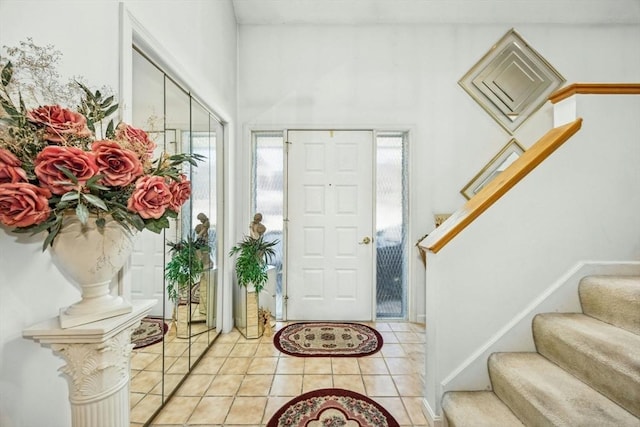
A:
(327, 339)
(332, 407)
(150, 331)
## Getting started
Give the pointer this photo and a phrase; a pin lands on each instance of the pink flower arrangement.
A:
(59, 123)
(52, 165)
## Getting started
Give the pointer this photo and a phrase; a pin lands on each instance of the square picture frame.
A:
(511, 81)
(507, 155)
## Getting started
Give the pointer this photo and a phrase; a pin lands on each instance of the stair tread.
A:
(552, 393)
(477, 409)
(612, 299)
(604, 356)
(602, 341)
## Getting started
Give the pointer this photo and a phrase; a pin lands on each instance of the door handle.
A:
(365, 241)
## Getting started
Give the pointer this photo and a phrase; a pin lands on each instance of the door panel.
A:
(330, 187)
(147, 270)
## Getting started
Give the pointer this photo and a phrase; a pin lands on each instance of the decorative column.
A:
(97, 369)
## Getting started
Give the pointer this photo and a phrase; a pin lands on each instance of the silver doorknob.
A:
(365, 241)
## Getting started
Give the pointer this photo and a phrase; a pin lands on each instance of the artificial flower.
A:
(60, 125)
(23, 204)
(151, 197)
(53, 164)
(10, 170)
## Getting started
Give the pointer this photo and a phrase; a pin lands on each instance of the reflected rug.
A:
(327, 339)
(332, 407)
(150, 331)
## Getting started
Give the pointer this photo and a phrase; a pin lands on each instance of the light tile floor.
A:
(241, 382)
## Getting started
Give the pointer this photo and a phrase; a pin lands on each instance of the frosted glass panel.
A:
(391, 206)
(268, 177)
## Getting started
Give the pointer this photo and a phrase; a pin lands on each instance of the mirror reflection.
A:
(177, 268)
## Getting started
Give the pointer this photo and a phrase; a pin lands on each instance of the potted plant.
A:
(184, 269)
(251, 264)
(254, 254)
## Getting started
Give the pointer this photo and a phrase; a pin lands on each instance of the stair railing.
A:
(529, 160)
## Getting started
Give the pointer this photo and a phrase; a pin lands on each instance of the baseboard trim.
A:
(433, 419)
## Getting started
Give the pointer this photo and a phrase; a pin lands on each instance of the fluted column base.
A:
(109, 410)
(97, 369)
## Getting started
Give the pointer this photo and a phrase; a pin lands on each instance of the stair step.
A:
(605, 357)
(612, 299)
(477, 409)
(540, 393)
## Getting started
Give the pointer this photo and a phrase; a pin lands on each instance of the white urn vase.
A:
(90, 257)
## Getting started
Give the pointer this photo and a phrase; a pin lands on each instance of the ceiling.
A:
(350, 12)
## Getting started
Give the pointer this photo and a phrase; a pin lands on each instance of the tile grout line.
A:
(332, 373)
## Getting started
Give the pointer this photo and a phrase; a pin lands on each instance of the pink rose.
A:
(180, 192)
(80, 163)
(23, 204)
(119, 166)
(10, 170)
(59, 124)
(151, 197)
(138, 138)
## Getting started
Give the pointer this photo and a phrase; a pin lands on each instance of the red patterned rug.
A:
(326, 339)
(150, 331)
(332, 407)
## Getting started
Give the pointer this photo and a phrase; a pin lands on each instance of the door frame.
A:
(412, 260)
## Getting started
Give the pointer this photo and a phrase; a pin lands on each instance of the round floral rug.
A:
(327, 339)
(332, 407)
(150, 331)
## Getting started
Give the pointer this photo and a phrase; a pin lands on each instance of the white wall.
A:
(200, 37)
(405, 77)
(87, 33)
(579, 205)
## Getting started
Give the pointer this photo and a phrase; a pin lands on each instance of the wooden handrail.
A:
(495, 189)
(595, 89)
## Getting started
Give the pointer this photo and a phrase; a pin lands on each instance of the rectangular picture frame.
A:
(507, 155)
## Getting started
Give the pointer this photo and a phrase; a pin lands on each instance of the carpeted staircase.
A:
(586, 371)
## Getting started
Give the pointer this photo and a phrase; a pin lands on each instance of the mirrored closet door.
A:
(179, 267)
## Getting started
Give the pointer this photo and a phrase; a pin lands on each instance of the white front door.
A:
(330, 225)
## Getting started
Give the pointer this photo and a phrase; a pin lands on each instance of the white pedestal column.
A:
(97, 369)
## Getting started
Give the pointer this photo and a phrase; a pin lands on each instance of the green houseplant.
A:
(185, 267)
(253, 256)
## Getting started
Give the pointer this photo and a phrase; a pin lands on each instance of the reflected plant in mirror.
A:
(185, 267)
